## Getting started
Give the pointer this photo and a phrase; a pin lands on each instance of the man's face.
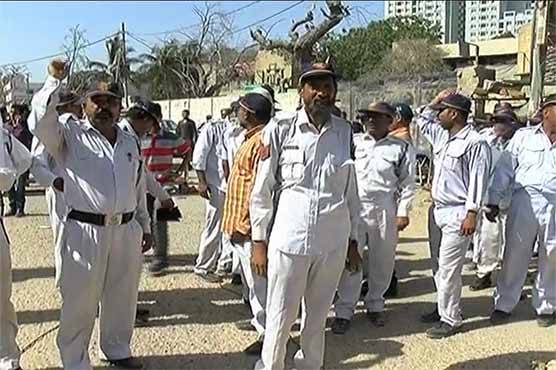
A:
(503, 130)
(103, 109)
(377, 124)
(549, 114)
(143, 125)
(185, 114)
(446, 118)
(243, 116)
(318, 95)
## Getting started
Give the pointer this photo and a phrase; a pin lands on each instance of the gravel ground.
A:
(192, 324)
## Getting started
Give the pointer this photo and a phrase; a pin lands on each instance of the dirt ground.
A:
(192, 323)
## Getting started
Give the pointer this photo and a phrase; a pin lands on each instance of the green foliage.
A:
(361, 50)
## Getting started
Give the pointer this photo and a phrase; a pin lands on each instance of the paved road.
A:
(193, 322)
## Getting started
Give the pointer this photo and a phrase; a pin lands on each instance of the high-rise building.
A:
(487, 19)
(466, 19)
(450, 15)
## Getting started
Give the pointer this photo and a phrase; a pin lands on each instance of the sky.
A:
(30, 30)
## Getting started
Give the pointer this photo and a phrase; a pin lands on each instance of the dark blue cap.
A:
(455, 101)
(404, 111)
(316, 69)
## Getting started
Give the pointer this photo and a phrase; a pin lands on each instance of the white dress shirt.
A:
(385, 169)
(308, 183)
(497, 148)
(205, 154)
(461, 163)
(98, 177)
(232, 138)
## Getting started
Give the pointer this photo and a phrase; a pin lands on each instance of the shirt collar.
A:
(463, 133)
(249, 133)
(126, 126)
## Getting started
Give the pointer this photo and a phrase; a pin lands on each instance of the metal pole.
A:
(124, 47)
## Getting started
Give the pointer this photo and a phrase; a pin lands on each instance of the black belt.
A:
(101, 220)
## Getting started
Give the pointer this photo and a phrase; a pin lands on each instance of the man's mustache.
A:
(104, 113)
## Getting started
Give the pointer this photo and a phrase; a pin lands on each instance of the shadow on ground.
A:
(507, 361)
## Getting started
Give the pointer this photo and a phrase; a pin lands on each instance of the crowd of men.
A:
(303, 206)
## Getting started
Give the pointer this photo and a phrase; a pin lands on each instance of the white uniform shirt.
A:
(461, 163)
(308, 183)
(497, 147)
(205, 155)
(384, 168)
(529, 163)
(153, 187)
(232, 138)
(98, 177)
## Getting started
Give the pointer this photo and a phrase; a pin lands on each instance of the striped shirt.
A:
(159, 150)
(236, 207)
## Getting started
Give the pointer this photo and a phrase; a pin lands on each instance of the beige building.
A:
(274, 69)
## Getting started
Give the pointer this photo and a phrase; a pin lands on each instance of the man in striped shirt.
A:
(254, 114)
(158, 150)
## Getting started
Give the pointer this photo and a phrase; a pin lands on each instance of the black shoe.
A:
(481, 283)
(340, 326)
(10, 213)
(210, 278)
(498, 317)
(236, 279)
(442, 330)
(377, 318)
(545, 321)
(431, 317)
(254, 349)
(125, 363)
(157, 267)
(245, 325)
(19, 214)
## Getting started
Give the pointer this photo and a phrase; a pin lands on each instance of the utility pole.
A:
(126, 67)
(538, 54)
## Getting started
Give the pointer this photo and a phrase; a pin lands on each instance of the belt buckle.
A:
(114, 220)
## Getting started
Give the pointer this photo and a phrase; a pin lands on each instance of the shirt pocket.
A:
(292, 164)
(453, 160)
(336, 171)
(531, 155)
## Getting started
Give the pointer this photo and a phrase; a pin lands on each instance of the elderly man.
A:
(306, 186)
(461, 172)
(44, 168)
(20, 160)
(106, 229)
(489, 238)
(528, 167)
(386, 182)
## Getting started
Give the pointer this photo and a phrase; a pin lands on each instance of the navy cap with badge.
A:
(455, 101)
(404, 111)
(104, 88)
(316, 70)
(380, 107)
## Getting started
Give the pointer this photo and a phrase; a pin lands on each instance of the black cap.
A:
(380, 107)
(146, 106)
(96, 88)
(67, 97)
(315, 70)
(549, 100)
(257, 104)
(505, 116)
(455, 101)
(404, 111)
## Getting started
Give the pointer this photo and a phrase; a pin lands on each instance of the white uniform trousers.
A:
(380, 234)
(226, 262)
(292, 278)
(488, 244)
(451, 259)
(100, 264)
(529, 218)
(435, 236)
(210, 246)
(256, 285)
(9, 351)
(56, 213)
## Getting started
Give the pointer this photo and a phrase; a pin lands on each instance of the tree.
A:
(199, 67)
(302, 49)
(74, 50)
(412, 60)
(9, 75)
(361, 50)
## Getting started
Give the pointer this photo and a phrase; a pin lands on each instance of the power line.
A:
(199, 24)
(59, 54)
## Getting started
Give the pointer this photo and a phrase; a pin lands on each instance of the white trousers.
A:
(381, 236)
(9, 351)
(451, 259)
(488, 244)
(210, 246)
(256, 285)
(529, 218)
(292, 279)
(56, 212)
(100, 264)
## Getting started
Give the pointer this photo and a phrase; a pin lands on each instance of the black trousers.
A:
(16, 195)
(159, 232)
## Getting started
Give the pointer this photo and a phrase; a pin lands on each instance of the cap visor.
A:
(312, 74)
(102, 93)
(366, 110)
